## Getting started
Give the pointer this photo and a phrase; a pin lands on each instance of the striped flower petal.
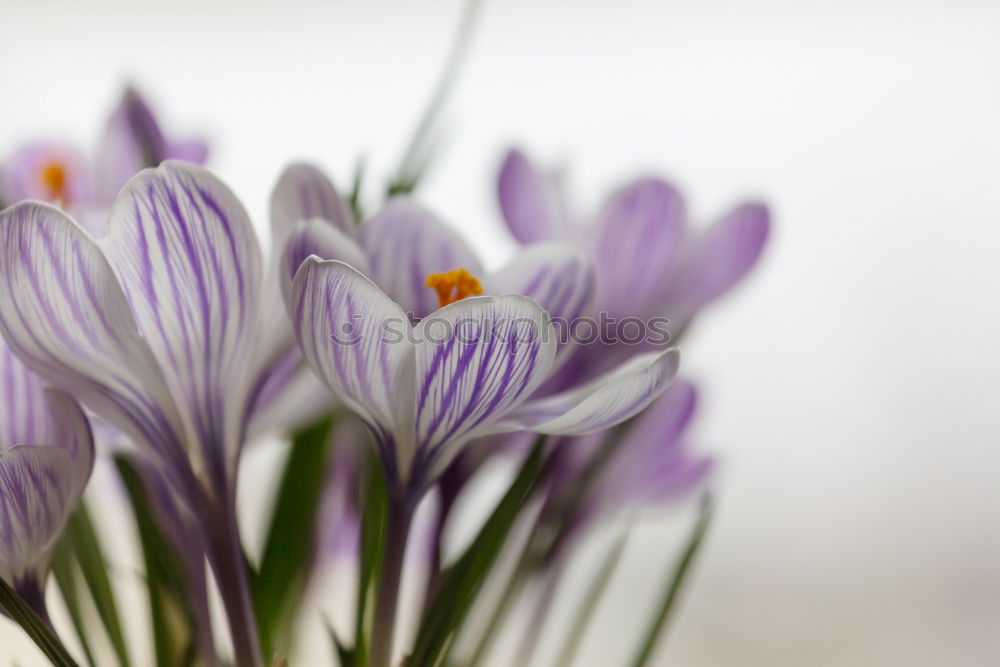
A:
(36, 498)
(476, 359)
(317, 237)
(359, 343)
(557, 277)
(600, 404)
(529, 200)
(303, 192)
(24, 415)
(41, 482)
(404, 243)
(718, 258)
(185, 253)
(639, 234)
(64, 314)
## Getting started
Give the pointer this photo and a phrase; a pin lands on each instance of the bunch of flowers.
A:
(140, 318)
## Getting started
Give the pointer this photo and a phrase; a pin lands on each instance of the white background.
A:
(850, 385)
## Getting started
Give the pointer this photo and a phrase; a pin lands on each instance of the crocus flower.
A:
(156, 328)
(46, 455)
(402, 247)
(86, 186)
(649, 260)
(467, 370)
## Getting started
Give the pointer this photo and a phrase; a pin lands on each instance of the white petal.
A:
(601, 404)
(359, 343)
(477, 359)
(187, 257)
(63, 313)
(303, 192)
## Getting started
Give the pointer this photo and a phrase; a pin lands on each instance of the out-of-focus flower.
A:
(133, 141)
(652, 463)
(46, 456)
(469, 369)
(87, 186)
(47, 172)
(649, 260)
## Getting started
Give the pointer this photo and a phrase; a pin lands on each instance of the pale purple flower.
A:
(133, 140)
(87, 185)
(46, 456)
(649, 260)
(47, 171)
(397, 249)
(654, 461)
(467, 370)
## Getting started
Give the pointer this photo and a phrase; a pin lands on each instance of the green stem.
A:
(674, 585)
(400, 515)
(234, 587)
(588, 606)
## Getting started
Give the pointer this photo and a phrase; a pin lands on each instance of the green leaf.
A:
(283, 574)
(375, 501)
(671, 592)
(354, 200)
(595, 591)
(173, 620)
(81, 538)
(462, 581)
(37, 629)
(66, 574)
(420, 149)
(345, 655)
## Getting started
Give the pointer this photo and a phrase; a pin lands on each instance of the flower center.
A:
(451, 286)
(53, 175)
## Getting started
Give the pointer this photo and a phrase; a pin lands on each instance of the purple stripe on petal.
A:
(354, 338)
(529, 201)
(476, 359)
(640, 231)
(64, 314)
(185, 253)
(37, 494)
(303, 193)
(600, 404)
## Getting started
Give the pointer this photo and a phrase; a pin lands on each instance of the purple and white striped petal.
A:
(557, 277)
(477, 359)
(359, 343)
(639, 235)
(64, 314)
(303, 192)
(717, 259)
(405, 242)
(24, 414)
(529, 201)
(185, 253)
(319, 238)
(37, 494)
(600, 404)
(72, 433)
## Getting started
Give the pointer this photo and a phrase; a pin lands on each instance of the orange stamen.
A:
(54, 177)
(451, 286)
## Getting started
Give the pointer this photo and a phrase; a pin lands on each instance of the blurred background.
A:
(850, 384)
